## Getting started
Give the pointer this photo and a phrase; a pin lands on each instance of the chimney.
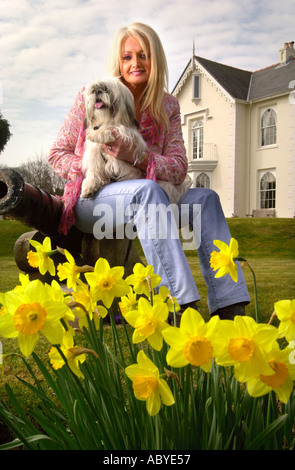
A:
(287, 52)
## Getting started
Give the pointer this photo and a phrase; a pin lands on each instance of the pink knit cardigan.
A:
(167, 156)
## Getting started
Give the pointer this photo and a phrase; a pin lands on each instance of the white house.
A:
(239, 132)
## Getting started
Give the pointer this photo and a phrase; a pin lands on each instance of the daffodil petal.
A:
(7, 328)
(191, 321)
(27, 343)
(221, 245)
(153, 403)
(53, 332)
(176, 358)
(131, 317)
(175, 337)
(165, 393)
(156, 341)
(145, 362)
(101, 265)
(234, 247)
(137, 337)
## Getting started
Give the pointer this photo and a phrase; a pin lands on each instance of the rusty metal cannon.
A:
(42, 211)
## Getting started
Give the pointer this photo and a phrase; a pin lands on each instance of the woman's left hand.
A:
(119, 149)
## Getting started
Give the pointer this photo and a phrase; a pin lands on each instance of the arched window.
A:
(268, 191)
(268, 127)
(198, 139)
(203, 181)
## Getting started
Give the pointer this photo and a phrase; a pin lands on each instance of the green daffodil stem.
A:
(85, 269)
(245, 262)
(51, 252)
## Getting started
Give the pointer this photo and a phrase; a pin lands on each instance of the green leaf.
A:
(257, 443)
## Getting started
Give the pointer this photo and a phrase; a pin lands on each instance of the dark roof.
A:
(245, 85)
(235, 81)
(273, 80)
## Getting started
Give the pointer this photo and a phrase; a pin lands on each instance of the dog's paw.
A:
(86, 194)
(87, 190)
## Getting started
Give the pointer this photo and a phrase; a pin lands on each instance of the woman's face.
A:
(135, 66)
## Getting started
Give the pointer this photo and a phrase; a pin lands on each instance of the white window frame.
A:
(267, 133)
(203, 174)
(197, 136)
(196, 93)
(264, 202)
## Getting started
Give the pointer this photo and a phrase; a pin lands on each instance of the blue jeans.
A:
(144, 205)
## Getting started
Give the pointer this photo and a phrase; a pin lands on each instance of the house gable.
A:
(232, 82)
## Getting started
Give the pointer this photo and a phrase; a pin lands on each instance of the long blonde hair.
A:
(158, 80)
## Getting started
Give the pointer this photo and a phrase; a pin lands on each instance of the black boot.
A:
(231, 311)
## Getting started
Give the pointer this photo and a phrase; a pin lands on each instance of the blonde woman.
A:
(138, 59)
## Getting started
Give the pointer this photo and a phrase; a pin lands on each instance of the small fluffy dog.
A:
(109, 106)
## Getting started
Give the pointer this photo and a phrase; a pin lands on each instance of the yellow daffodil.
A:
(24, 281)
(148, 322)
(165, 297)
(128, 302)
(244, 344)
(193, 342)
(55, 292)
(31, 312)
(106, 283)
(223, 261)
(84, 297)
(41, 257)
(285, 311)
(281, 381)
(68, 271)
(143, 279)
(72, 353)
(148, 385)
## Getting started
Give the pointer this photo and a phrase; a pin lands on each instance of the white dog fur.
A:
(109, 106)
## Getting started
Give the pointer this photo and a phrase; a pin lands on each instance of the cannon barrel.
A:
(36, 208)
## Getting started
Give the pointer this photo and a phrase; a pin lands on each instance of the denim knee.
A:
(209, 196)
(150, 191)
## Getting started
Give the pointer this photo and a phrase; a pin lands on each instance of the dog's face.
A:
(109, 101)
(103, 96)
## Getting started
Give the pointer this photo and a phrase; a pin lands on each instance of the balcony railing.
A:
(208, 152)
(207, 161)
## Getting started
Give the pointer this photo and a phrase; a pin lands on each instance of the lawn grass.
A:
(10, 230)
(264, 238)
(268, 245)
